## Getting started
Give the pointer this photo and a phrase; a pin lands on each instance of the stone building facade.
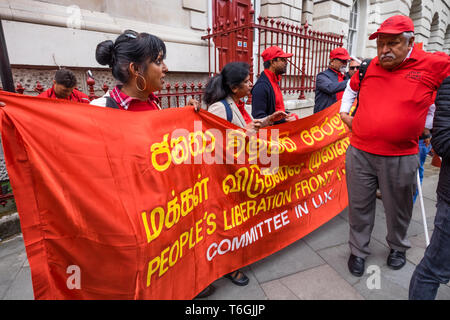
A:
(43, 35)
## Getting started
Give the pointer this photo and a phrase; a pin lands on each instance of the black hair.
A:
(130, 46)
(220, 86)
(66, 78)
(266, 64)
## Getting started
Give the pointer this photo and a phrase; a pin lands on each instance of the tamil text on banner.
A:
(159, 204)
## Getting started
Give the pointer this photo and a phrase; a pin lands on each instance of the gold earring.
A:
(145, 81)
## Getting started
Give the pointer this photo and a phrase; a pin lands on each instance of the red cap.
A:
(394, 25)
(274, 52)
(340, 53)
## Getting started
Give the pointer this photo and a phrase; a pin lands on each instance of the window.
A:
(352, 28)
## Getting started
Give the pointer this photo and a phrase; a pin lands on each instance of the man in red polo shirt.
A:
(331, 83)
(394, 98)
(64, 88)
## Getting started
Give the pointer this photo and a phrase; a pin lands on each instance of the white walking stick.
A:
(419, 188)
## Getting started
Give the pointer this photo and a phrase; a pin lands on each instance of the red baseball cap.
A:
(340, 53)
(274, 52)
(394, 25)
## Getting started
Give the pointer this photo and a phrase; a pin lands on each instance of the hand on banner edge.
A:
(193, 102)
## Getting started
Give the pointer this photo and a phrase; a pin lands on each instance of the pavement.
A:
(313, 268)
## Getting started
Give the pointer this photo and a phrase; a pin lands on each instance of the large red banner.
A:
(157, 205)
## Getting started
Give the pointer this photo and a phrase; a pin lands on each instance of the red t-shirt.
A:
(76, 95)
(393, 104)
(274, 79)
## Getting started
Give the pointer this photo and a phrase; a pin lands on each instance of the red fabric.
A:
(394, 104)
(76, 95)
(241, 106)
(106, 197)
(126, 102)
(274, 79)
(340, 79)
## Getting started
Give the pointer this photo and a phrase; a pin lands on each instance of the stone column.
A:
(289, 11)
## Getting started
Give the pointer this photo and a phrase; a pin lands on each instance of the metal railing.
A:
(310, 48)
(172, 96)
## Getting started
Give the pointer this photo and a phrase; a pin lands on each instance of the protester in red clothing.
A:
(64, 88)
(137, 61)
(225, 91)
(266, 93)
(394, 97)
(223, 94)
(331, 83)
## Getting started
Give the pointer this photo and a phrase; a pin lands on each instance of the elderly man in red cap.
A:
(394, 97)
(331, 83)
(266, 93)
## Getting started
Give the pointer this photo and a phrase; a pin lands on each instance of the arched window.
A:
(435, 42)
(447, 40)
(353, 28)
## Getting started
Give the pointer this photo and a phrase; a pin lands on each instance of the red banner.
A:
(159, 204)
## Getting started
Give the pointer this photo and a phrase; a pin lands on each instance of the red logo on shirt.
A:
(415, 75)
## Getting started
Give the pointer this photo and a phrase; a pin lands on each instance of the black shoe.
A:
(209, 290)
(396, 259)
(356, 265)
(238, 278)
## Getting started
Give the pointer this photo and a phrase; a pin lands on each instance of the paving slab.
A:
(387, 291)
(320, 283)
(379, 231)
(334, 232)
(12, 259)
(21, 288)
(429, 206)
(429, 185)
(276, 290)
(294, 258)
(337, 258)
(12, 245)
(415, 255)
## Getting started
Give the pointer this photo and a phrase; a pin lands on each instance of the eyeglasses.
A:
(354, 68)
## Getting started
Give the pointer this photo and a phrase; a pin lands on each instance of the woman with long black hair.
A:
(223, 94)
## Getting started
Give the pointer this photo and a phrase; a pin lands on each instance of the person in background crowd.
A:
(434, 268)
(266, 93)
(226, 90)
(331, 83)
(230, 86)
(353, 66)
(394, 98)
(64, 88)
